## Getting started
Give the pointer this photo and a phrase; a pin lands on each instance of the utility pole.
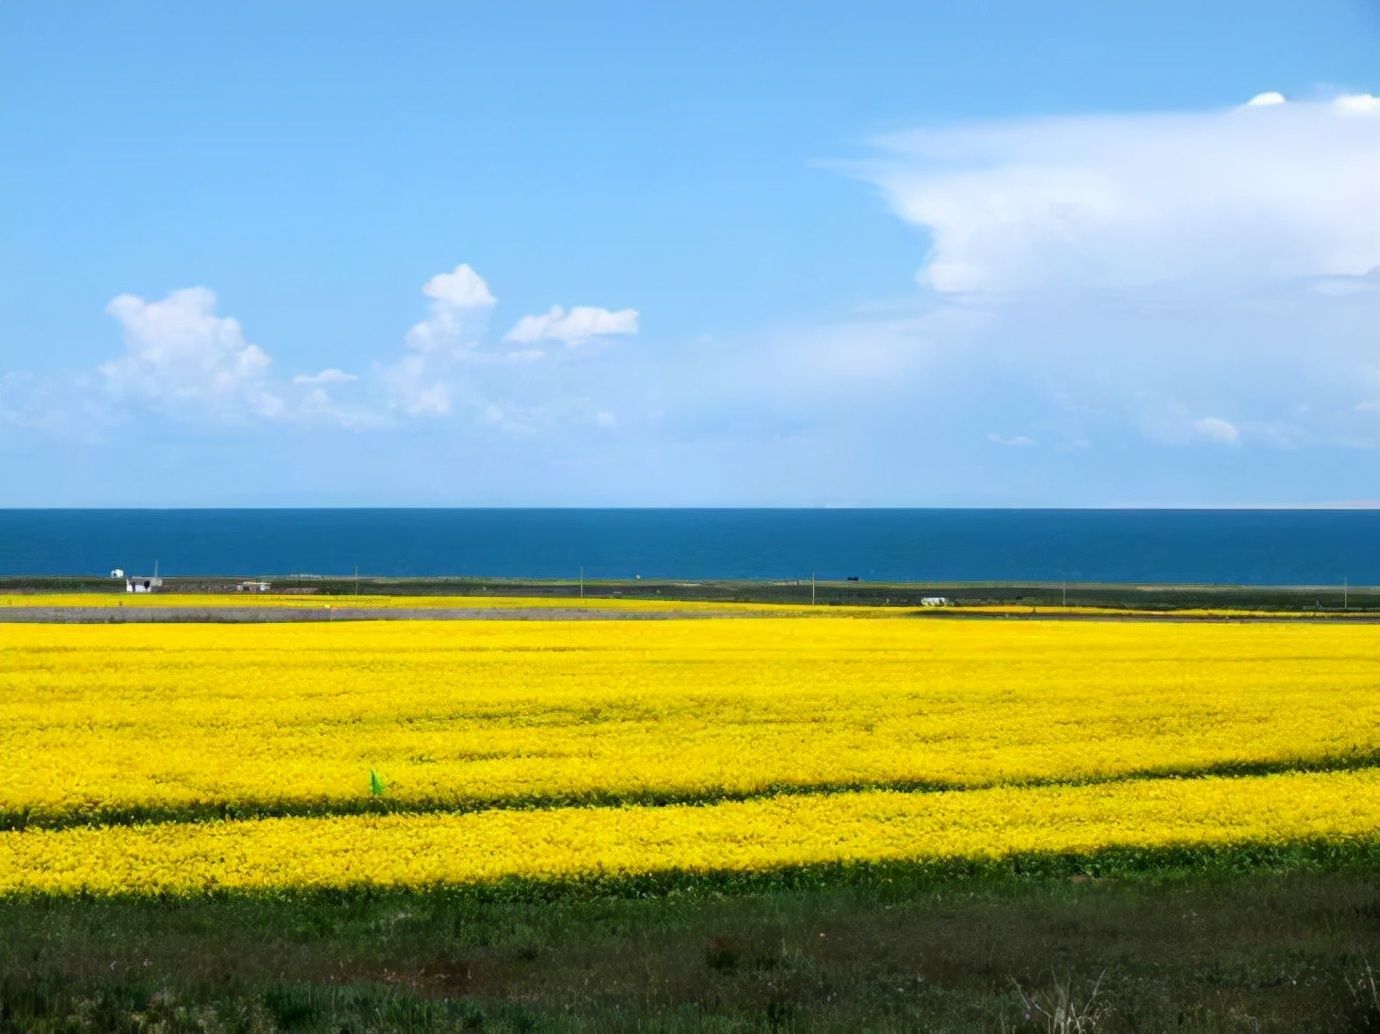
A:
(1066, 593)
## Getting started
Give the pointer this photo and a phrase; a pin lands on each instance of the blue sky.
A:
(618, 254)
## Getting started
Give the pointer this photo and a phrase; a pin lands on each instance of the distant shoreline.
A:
(752, 551)
(1325, 602)
(319, 615)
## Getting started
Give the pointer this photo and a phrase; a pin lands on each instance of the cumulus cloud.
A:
(461, 288)
(573, 326)
(179, 352)
(185, 360)
(459, 301)
(451, 365)
(419, 383)
(1266, 190)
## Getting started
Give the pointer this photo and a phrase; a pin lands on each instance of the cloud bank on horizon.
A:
(1202, 279)
(1267, 191)
(1210, 276)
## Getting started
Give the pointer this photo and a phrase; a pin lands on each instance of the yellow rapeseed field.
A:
(871, 826)
(179, 723)
(107, 718)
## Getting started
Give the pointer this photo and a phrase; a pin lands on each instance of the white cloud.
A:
(459, 301)
(574, 326)
(1267, 99)
(1263, 191)
(1358, 104)
(318, 407)
(328, 376)
(462, 288)
(179, 353)
(1018, 441)
(184, 359)
(418, 384)
(1215, 429)
(415, 388)
(1134, 271)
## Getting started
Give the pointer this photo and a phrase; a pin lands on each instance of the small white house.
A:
(252, 587)
(936, 601)
(140, 583)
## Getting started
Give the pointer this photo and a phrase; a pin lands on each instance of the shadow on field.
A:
(1259, 952)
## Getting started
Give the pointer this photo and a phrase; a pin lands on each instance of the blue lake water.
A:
(1257, 547)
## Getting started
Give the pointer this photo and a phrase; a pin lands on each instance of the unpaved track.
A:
(257, 615)
(280, 615)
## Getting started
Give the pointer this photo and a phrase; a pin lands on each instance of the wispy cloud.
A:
(573, 326)
(328, 376)
(1215, 429)
(1013, 441)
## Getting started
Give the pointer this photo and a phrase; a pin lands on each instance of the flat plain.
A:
(717, 785)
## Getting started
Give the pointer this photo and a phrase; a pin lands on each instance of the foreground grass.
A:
(1287, 943)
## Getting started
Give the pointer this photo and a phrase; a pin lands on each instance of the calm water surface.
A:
(1261, 547)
